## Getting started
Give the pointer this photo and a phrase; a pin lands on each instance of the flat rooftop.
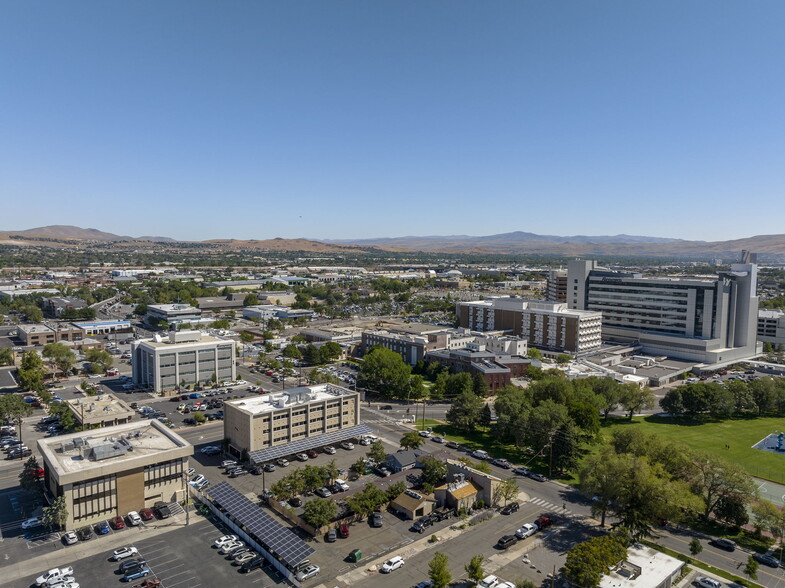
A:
(111, 449)
(99, 407)
(165, 343)
(644, 568)
(289, 398)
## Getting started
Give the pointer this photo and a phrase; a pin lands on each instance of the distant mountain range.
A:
(70, 232)
(517, 242)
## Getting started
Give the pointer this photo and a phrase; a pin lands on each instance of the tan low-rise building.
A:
(269, 420)
(112, 471)
(104, 410)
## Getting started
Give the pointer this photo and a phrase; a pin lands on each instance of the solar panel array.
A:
(264, 455)
(279, 541)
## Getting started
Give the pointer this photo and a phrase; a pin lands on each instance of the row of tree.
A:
(643, 480)
(732, 399)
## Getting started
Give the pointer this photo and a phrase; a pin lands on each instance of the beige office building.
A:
(260, 422)
(112, 471)
(104, 410)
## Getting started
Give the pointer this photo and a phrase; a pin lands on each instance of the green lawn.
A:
(739, 434)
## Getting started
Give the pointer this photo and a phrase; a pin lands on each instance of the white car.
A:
(223, 540)
(197, 480)
(505, 585)
(32, 523)
(69, 582)
(302, 457)
(53, 575)
(704, 582)
(527, 530)
(329, 450)
(123, 552)
(134, 519)
(70, 538)
(488, 582)
(347, 445)
(227, 547)
(308, 571)
(392, 564)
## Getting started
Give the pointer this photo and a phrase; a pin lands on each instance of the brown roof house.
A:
(466, 486)
(413, 505)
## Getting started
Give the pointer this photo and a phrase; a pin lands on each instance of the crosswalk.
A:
(559, 509)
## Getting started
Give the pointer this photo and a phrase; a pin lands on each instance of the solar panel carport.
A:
(271, 536)
(264, 455)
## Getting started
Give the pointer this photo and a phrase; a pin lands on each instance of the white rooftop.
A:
(648, 570)
(288, 398)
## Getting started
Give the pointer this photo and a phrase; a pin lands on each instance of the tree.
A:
(417, 389)
(376, 452)
(439, 571)
(319, 512)
(480, 385)
(199, 417)
(331, 351)
(588, 561)
(507, 490)
(359, 466)
(714, 479)
(6, 356)
(411, 440)
(609, 392)
(635, 399)
(60, 356)
(465, 411)
(601, 477)
(751, 569)
(246, 337)
(365, 502)
(251, 299)
(486, 415)
(732, 510)
(458, 385)
(28, 477)
(100, 360)
(384, 371)
(31, 371)
(695, 546)
(534, 353)
(292, 352)
(395, 491)
(767, 516)
(434, 471)
(563, 358)
(474, 569)
(56, 514)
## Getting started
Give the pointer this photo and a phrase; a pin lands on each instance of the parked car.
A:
(282, 462)
(134, 519)
(329, 450)
(307, 572)
(85, 533)
(70, 538)
(54, 574)
(224, 539)
(343, 531)
(502, 463)
(124, 553)
(32, 523)
(269, 467)
(421, 524)
(479, 454)
(488, 582)
(146, 514)
(211, 450)
(527, 530)
(347, 445)
(230, 546)
(766, 560)
(392, 564)
(198, 479)
(302, 457)
(725, 544)
(256, 562)
(506, 541)
(237, 472)
(296, 502)
(331, 536)
(161, 510)
(312, 453)
(377, 520)
(102, 528)
(452, 444)
(511, 508)
(339, 483)
(131, 565)
(521, 471)
(247, 556)
(323, 492)
(705, 582)
(118, 523)
(538, 477)
(437, 439)
(426, 434)
(227, 463)
(135, 575)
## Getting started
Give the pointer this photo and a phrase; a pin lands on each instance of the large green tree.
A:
(376, 452)
(31, 371)
(434, 471)
(385, 372)
(439, 570)
(100, 360)
(474, 569)
(635, 399)
(28, 477)
(715, 479)
(587, 562)
(56, 514)
(465, 411)
(319, 512)
(60, 357)
(411, 440)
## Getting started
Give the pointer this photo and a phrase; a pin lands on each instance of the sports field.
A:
(731, 439)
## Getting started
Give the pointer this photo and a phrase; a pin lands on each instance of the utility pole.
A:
(550, 460)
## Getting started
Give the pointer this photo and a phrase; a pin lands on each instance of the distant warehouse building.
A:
(184, 357)
(271, 420)
(545, 325)
(115, 470)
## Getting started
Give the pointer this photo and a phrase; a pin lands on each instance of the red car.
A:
(118, 523)
(343, 531)
(146, 514)
(39, 474)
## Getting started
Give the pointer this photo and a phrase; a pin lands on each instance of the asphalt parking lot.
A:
(183, 558)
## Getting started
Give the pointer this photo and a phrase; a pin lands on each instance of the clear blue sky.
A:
(342, 119)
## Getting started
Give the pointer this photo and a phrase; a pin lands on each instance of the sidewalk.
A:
(32, 567)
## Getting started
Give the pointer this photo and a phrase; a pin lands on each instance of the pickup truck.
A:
(543, 521)
(53, 575)
(441, 514)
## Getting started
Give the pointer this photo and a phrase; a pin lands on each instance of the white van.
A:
(480, 454)
(341, 484)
